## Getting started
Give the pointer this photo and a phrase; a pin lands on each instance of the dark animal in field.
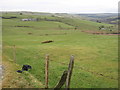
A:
(29, 33)
(24, 68)
(19, 71)
(47, 41)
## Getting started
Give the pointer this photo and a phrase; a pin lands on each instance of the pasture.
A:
(96, 56)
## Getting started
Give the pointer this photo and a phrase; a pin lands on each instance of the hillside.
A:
(96, 55)
(110, 18)
(73, 22)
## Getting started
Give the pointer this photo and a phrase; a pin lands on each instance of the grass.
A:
(11, 78)
(96, 56)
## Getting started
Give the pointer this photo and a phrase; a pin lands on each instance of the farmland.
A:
(96, 56)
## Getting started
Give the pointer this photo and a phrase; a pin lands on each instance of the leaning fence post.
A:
(46, 70)
(62, 81)
(70, 68)
(14, 53)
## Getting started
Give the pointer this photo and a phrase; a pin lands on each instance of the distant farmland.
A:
(96, 55)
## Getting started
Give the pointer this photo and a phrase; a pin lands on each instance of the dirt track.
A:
(100, 33)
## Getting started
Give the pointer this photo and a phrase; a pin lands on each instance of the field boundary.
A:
(95, 73)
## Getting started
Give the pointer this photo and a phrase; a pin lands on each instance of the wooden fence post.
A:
(70, 68)
(62, 81)
(46, 70)
(14, 53)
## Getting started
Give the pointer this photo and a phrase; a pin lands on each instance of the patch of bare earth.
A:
(100, 33)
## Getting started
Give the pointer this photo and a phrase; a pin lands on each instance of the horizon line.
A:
(53, 12)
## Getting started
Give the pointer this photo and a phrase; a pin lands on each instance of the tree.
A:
(102, 26)
(52, 16)
(20, 13)
(76, 27)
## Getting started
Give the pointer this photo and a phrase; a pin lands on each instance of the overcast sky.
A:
(61, 6)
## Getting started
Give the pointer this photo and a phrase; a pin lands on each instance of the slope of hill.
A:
(75, 22)
(111, 18)
(96, 56)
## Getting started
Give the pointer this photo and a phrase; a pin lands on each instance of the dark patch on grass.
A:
(22, 26)
(30, 33)
(53, 34)
(101, 33)
(12, 17)
(49, 41)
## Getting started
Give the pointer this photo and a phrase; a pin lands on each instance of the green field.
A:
(96, 56)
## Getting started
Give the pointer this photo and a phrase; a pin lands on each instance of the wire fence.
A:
(55, 68)
(44, 69)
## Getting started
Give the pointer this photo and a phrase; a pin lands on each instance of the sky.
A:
(61, 6)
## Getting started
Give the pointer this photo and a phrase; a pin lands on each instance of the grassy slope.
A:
(12, 79)
(95, 55)
(81, 24)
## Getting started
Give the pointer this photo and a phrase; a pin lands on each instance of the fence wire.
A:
(35, 58)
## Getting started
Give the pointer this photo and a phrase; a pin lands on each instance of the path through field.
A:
(1, 76)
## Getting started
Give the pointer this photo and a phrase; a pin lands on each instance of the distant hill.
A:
(111, 18)
(83, 22)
